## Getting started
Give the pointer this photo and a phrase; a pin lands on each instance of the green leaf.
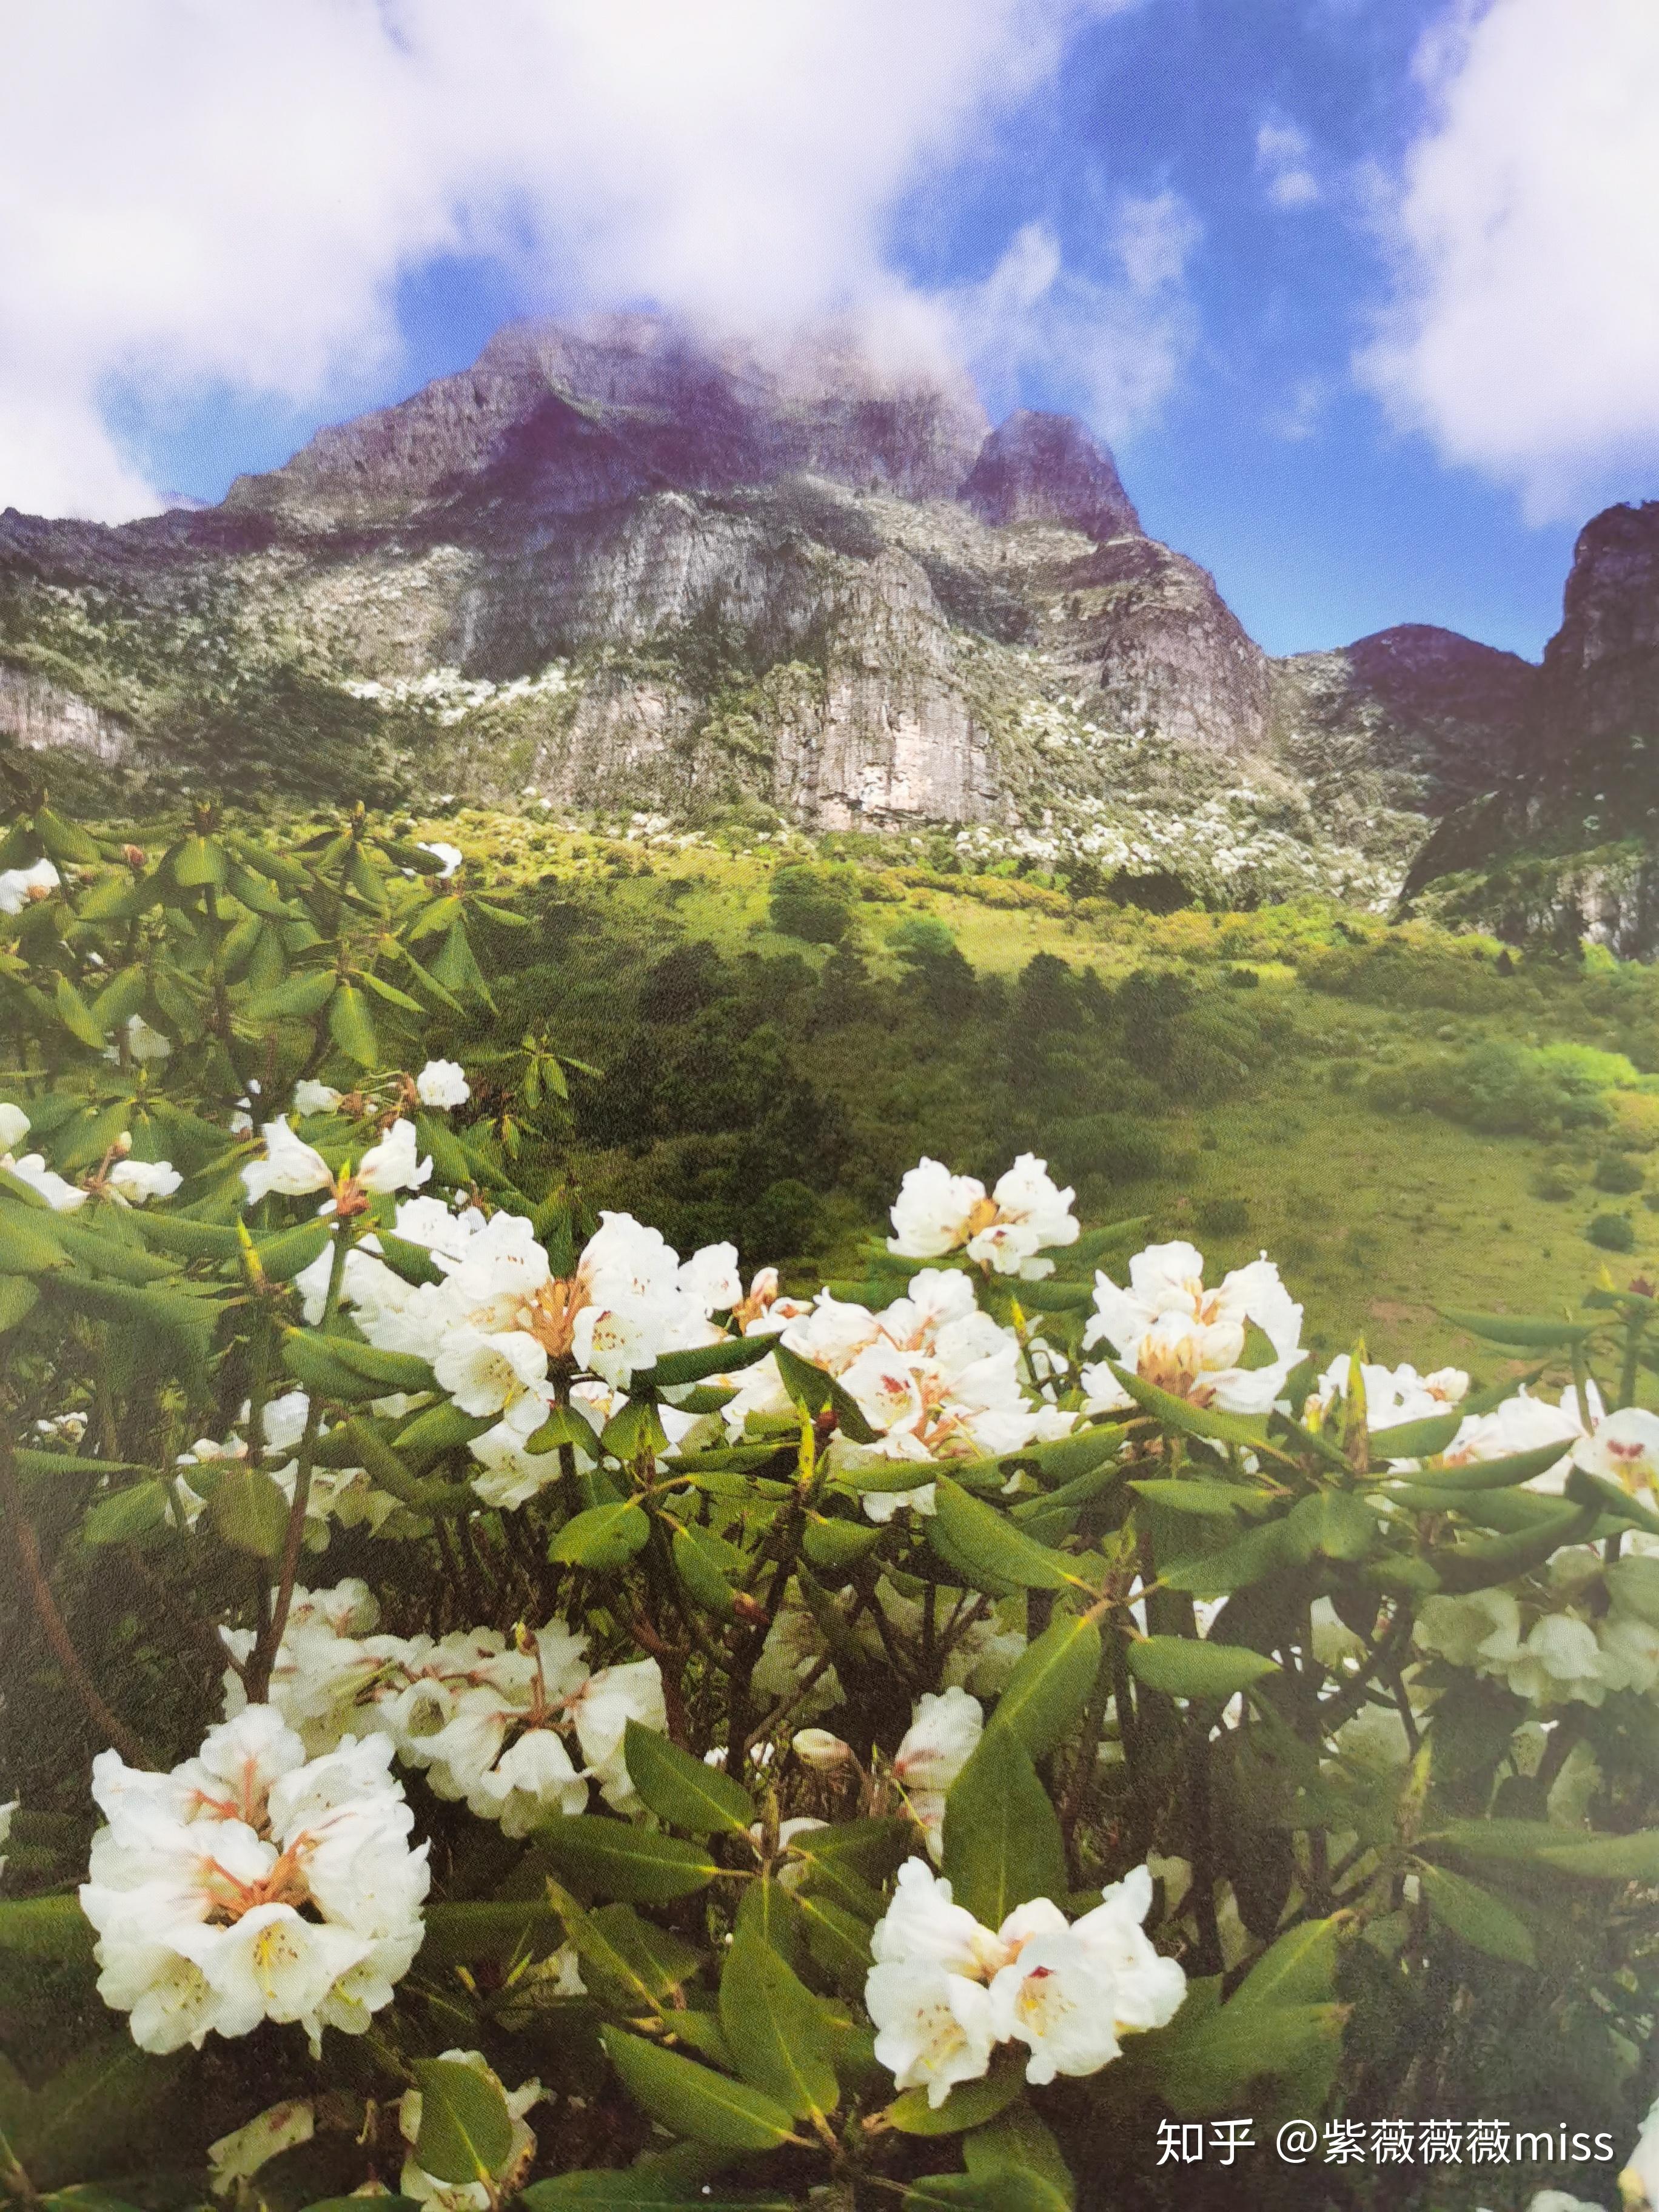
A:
(75, 1016)
(65, 841)
(984, 1541)
(1476, 1915)
(1335, 1523)
(701, 1564)
(127, 1515)
(247, 1510)
(1050, 1685)
(1236, 1566)
(610, 1859)
(1011, 2191)
(296, 999)
(351, 1026)
(817, 1392)
(291, 1251)
(466, 2130)
(1300, 1968)
(1415, 1439)
(52, 1928)
(1196, 1493)
(1173, 1413)
(488, 1928)
(681, 1789)
(1018, 2141)
(675, 1368)
(18, 1299)
(1187, 1667)
(634, 1431)
(1002, 1839)
(1529, 1330)
(775, 2029)
(1477, 1566)
(694, 2100)
(1209, 2067)
(199, 862)
(833, 1545)
(969, 2104)
(604, 1537)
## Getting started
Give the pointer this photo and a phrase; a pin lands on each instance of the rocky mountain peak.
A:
(1047, 468)
(570, 417)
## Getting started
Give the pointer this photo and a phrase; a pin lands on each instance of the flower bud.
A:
(823, 1752)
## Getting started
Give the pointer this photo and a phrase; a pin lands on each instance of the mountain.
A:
(1565, 842)
(620, 567)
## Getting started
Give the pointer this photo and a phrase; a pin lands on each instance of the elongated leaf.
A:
(774, 2028)
(487, 1929)
(1050, 1683)
(1002, 1839)
(128, 1514)
(1186, 1666)
(694, 2100)
(675, 1368)
(969, 2104)
(1531, 1331)
(986, 1541)
(1174, 1412)
(76, 1016)
(1476, 1915)
(1018, 2142)
(682, 1790)
(248, 1511)
(466, 2130)
(817, 1392)
(1415, 1439)
(610, 1859)
(296, 999)
(1300, 1968)
(352, 1027)
(604, 1537)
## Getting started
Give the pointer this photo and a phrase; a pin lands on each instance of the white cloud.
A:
(1282, 152)
(201, 195)
(1112, 348)
(1303, 415)
(1523, 335)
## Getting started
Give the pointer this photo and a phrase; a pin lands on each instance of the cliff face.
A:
(701, 572)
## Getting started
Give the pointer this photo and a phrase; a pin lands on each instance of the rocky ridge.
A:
(629, 568)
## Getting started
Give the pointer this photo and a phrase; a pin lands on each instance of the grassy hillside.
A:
(1406, 1119)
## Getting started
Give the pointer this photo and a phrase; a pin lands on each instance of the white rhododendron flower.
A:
(1525, 1423)
(7, 1813)
(1393, 1395)
(442, 1083)
(290, 1166)
(63, 1197)
(451, 855)
(313, 1097)
(936, 1213)
(491, 1720)
(392, 1164)
(423, 2188)
(253, 1884)
(1624, 1448)
(944, 1991)
(1190, 1340)
(939, 1741)
(14, 1127)
(137, 1182)
(144, 1043)
(20, 887)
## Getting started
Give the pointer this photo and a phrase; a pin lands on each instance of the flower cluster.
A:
(936, 1212)
(486, 1716)
(945, 1991)
(1589, 1629)
(252, 1883)
(1193, 1342)
(127, 1181)
(934, 1376)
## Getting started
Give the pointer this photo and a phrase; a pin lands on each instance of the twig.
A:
(51, 1621)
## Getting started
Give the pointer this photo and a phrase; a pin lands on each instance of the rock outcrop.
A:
(1437, 713)
(1047, 468)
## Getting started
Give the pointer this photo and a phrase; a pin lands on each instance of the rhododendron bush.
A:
(507, 1708)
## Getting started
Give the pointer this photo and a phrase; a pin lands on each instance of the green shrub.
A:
(1554, 1188)
(1613, 1232)
(1224, 1215)
(1617, 1173)
(812, 902)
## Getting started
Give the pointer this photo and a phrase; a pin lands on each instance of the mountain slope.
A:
(630, 568)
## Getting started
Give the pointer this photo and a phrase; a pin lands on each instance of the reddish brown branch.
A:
(51, 1621)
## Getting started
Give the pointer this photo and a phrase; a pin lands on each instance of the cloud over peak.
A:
(229, 198)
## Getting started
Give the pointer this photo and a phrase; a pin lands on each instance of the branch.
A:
(51, 1621)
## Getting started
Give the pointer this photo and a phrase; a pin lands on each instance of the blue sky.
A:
(1299, 171)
